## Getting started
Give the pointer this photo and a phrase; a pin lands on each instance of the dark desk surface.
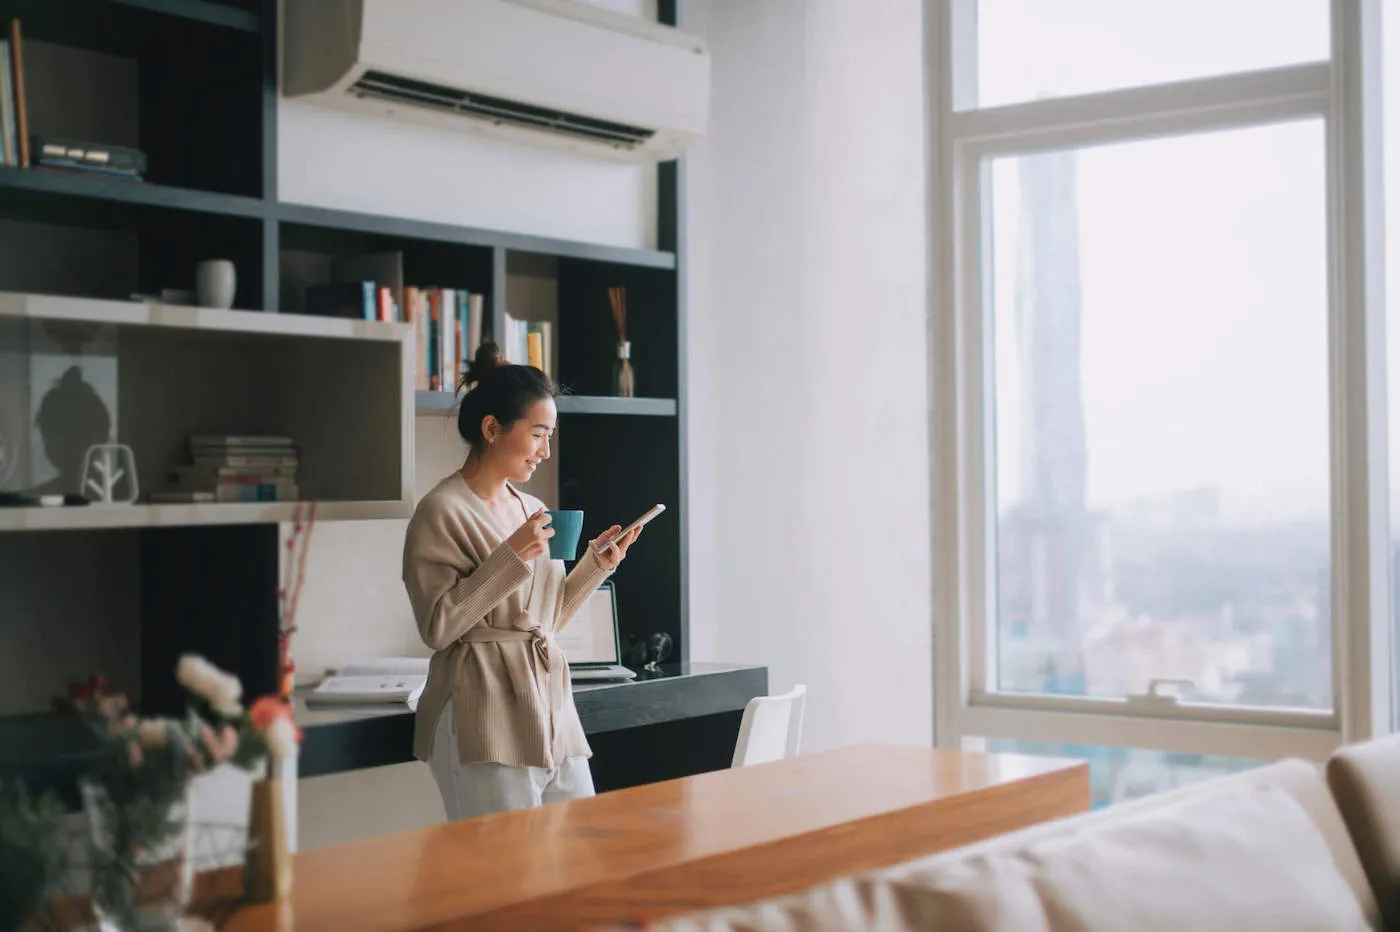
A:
(340, 738)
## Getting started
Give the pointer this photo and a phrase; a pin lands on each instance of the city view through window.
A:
(1156, 321)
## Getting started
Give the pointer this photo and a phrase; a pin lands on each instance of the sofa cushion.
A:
(1244, 859)
(1365, 781)
(980, 893)
(1260, 850)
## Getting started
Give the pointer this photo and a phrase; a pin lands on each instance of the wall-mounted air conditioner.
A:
(556, 73)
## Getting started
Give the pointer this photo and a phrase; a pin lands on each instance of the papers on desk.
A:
(383, 679)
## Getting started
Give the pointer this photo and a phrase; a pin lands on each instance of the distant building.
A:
(1051, 551)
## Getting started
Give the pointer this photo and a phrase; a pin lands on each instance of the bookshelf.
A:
(193, 84)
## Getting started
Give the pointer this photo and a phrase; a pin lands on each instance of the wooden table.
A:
(667, 848)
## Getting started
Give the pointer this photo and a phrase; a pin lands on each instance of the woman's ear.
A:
(490, 428)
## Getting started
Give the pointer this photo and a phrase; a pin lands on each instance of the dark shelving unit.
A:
(193, 83)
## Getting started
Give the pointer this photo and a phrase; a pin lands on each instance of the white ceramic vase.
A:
(214, 283)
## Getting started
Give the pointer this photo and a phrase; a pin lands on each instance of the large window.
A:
(1159, 403)
(1160, 399)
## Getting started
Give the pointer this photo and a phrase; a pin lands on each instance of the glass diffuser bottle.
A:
(624, 381)
(624, 377)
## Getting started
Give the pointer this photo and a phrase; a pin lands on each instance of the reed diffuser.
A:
(624, 378)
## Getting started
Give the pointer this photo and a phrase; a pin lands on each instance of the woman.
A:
(496, 722)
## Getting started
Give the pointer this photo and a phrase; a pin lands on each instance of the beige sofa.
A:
(1286, 848)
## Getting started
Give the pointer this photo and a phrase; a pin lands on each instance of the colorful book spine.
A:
(7, 107)
(21, 108)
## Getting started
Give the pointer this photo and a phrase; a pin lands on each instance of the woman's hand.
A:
(531, 540)
(610, 552)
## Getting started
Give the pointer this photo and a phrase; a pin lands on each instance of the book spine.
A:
(535, 353)
(463, 356)
(420, 328)
(434, 334)
(476, 305)
(21, 108)
(7, 106)
(446, 341)
(84, 167)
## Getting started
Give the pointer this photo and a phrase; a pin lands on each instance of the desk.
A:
(680, 721)
(713, 839)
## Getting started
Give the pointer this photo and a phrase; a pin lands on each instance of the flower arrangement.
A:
(137, 792)
(155, 757)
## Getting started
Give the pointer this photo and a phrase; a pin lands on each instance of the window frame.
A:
(1345, 93)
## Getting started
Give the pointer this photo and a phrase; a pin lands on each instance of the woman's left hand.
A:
(611, 552)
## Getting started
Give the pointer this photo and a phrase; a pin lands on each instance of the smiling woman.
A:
(496, 720)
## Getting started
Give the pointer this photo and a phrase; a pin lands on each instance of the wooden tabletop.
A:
(665, 848)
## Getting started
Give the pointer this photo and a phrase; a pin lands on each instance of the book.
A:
(21, 106)
(382, 679)
(10, 155)
(77, 153)
(385, 269)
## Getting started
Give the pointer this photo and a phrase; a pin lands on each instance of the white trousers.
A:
(470, 790)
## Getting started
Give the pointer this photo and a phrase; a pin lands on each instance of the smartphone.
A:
(643, 521)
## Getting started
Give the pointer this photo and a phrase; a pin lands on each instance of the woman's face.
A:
(519, 449)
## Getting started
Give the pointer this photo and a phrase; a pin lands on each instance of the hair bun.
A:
(487, 360)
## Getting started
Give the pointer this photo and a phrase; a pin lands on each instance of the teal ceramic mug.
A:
(568, 528)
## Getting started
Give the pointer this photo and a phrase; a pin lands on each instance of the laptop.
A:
(591, 640)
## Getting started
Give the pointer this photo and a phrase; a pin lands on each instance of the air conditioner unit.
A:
(556, 73)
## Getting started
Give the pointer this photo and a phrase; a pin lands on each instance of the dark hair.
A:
(503, 391)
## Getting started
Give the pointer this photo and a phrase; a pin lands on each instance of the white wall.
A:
(350, 162)
(808, 373)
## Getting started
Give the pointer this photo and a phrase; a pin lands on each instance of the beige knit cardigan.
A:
(490, 619)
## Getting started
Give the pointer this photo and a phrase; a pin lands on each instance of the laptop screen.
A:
(592, 636)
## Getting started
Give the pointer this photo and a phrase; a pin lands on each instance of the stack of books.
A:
(235, 469)
(91, 158)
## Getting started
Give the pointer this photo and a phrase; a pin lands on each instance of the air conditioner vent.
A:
(380, 85)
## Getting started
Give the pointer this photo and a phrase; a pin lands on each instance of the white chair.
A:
(771, 728)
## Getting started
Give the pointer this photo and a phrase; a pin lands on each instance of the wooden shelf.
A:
(122, 191)
(208, 319)
(96, 517)
(433, 402)
(376, 225)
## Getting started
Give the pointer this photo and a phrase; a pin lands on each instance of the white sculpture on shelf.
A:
(104, 466)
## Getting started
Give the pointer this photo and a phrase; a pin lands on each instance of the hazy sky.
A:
(1203, 258)
(1033, 47)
